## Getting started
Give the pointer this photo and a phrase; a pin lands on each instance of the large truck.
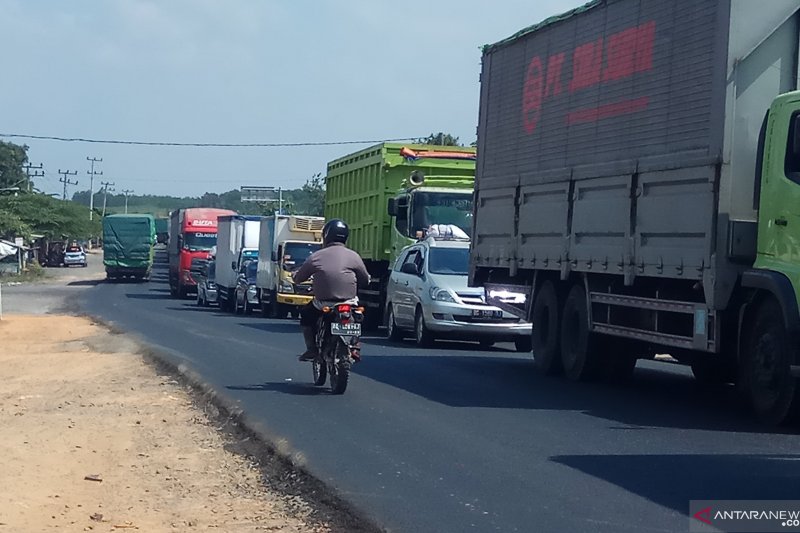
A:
(237, 242)
(192, 235)
(128, 246)
(285, 243)
(389, 194)
(638, 190)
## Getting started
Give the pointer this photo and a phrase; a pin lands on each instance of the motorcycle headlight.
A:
(286, 287)
(442, 295)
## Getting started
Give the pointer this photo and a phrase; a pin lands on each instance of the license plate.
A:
(345, 329)
(486, 313)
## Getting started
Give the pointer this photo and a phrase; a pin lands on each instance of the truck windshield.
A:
(199, 241)
(448, 261)
(296, 253)
(441, 208)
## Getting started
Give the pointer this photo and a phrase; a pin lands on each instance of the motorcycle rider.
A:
(337, 273)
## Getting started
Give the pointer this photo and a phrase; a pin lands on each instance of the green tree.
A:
(29, 214)
(12, 157)
(310, 198)
(439, 139)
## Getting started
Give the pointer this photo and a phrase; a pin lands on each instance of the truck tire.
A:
(769, 353)
(545, 338)
(580, 355)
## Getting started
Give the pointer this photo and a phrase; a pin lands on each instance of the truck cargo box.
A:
(620, 138)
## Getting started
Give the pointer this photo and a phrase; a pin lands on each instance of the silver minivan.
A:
(428, 295)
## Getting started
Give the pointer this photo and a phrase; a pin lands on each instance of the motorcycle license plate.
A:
(345, 329)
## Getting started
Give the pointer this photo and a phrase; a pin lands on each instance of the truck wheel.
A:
(579, 349)
(277, 309)
(422, 334)
(545, 338)
(393, 333)
(769, 384)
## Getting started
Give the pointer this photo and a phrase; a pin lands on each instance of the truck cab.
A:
(426, 200)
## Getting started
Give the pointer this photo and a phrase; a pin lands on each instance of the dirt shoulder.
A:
(95, 439)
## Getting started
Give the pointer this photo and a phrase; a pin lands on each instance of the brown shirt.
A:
(337, 270)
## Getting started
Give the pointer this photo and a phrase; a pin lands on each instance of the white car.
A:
(75, 255)
(428, 295)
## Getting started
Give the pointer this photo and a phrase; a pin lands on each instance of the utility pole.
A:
(126, 192)
(105, 185)
(66, 181)
(37, 173)
(92, 174)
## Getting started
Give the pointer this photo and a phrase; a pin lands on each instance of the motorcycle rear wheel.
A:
(340, 369)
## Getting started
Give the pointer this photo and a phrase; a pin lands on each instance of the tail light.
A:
(344, 313)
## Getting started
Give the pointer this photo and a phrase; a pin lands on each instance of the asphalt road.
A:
(457, 439)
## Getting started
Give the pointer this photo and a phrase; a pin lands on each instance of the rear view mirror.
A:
(274, 256)
(392, 207)
(233, 265)
(409, 268)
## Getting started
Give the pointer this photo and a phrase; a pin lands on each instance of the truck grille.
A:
(303, 289)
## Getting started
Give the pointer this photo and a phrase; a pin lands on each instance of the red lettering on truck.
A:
(601, 61)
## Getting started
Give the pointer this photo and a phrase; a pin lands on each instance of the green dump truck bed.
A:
(128, 244)
(359, 185)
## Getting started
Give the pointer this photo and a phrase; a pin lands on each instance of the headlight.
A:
(251, 290)
(286, 287)
(442, 295)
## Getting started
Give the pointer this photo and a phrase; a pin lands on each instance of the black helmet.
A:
(335, 231)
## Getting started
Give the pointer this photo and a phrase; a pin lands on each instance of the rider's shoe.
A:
(308, 355)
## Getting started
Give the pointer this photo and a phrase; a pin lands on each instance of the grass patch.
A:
(32, 272)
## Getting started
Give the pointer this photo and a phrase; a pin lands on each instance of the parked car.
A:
(74, 255)
(246, 293)
(206, 286)
(429, 296)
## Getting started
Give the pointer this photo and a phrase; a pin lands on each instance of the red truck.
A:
(192, 235)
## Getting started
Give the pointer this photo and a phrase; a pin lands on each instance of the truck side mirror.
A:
(392, 207)
(274, 256)
(233, 265)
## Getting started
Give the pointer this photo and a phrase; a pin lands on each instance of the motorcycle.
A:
(338, 345)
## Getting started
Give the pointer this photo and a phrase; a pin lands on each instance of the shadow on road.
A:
(695, 477)
(287, 326)
(651, 399)
(149, 296)
(86, 283)
(286, 387)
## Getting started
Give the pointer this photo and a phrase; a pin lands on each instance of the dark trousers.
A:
(309, 315)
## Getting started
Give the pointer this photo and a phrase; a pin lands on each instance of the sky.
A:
(239, 71)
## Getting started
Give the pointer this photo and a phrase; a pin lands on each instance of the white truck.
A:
(284, 244)
(237, 242)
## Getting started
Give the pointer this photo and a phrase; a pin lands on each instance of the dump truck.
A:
(285, 243)
(237, 242)
(638, 190)
(389, 194)
(128, 246)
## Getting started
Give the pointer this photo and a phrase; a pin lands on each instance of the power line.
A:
(201, 145)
